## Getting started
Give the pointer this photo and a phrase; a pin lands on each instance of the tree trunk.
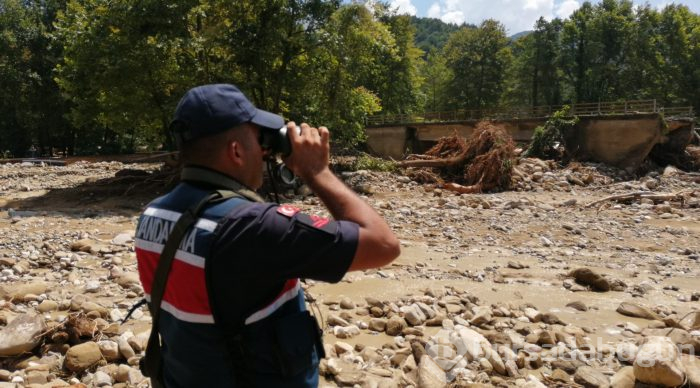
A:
(455, 160)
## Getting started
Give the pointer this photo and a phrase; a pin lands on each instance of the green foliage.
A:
(86, 76)
(478, 59)
(547, 138)
(437, 79)
(30, 105)
(432, 34)
(371, 163)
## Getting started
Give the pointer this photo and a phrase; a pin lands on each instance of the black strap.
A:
(152, 362)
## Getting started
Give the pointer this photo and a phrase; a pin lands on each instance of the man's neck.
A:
(216, 179)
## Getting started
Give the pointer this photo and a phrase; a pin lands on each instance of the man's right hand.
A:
(377, 245)
(310, 150)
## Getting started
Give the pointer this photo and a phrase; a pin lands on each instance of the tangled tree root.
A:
(484, 162)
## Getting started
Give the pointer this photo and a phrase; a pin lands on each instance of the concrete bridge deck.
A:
(602, 134)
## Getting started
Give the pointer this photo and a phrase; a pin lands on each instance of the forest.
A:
(104, 76)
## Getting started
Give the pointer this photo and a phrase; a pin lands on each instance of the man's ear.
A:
(234, 152)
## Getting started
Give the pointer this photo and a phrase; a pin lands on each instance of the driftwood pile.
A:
(484, 162)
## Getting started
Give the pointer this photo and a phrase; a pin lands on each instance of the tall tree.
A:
(680, 49)
(31, 109)
(478, 59)
(437, 78)
(577, 53)
(534, 76)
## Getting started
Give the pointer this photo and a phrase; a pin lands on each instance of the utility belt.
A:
(285, 347)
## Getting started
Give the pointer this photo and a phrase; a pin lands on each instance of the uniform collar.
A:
(203, 175)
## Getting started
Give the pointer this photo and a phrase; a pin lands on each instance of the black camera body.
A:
(277, 140)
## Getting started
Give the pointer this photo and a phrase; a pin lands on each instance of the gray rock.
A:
(125, 349)
(347, 304)
(591, 378)
(636, 310)
(81, 357)
(377, 324)
(21, 335)
(430, 375)
(123, 239)
(109, 349)
(395, 325)
(37, 377)
(413, 315)
(101, 379)
(350, 379)
(624, 378)
(577, 305)
(692, 369)
(334, 320)
(658, 362)
(47, 305)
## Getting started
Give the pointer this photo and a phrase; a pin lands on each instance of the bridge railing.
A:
(578, 109)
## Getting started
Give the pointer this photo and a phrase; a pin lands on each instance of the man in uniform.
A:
(232, 312)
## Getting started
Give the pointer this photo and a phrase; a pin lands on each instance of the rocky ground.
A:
(562, 282)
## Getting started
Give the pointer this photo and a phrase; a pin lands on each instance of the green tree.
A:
(644, 76)
(432, 34)
(437, 78)
(680, 50)
(534, 75)
(31, 108)
(400, 89)
(120, 70)
(478, 59)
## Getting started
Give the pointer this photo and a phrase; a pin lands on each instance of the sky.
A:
(516, 15)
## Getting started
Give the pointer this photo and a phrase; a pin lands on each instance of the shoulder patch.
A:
(288, 210)
(317, 222)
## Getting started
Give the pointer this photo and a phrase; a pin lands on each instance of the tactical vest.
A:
(279, 345)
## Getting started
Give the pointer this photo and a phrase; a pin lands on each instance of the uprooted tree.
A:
(484, 162)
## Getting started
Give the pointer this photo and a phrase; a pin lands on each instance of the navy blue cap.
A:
(209, 109)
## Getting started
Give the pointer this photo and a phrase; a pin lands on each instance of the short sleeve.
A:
(279, 242)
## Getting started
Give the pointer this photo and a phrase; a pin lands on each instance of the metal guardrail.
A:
(536, 112)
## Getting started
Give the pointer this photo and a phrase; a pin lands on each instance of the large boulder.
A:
(83, 356)
(635, 310)
(430, 375)
(686, 342)
(624, 378)
(591, 378)
(692, 368)
(658, 362)
(21, 335)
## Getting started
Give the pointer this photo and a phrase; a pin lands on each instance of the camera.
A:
(277, 140)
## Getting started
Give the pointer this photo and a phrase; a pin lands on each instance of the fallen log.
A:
(456, 187)
(446, 162)
(640, 195)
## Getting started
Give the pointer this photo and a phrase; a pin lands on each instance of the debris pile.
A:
(482, 163)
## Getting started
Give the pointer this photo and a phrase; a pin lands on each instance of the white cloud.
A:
(566, 8)
(456, 17)
(434, 11)
(519, 15)
(404, 6)
(515, 15)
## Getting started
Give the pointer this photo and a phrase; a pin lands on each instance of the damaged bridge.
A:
(616, 133)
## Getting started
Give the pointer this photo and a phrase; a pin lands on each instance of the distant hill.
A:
(433, 33)
(520, 35)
